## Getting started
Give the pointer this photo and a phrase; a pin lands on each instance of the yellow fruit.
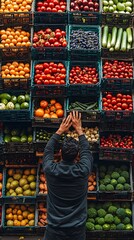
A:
(31, 223)
(9, 210)
(10, 223)
(25, 214)
(31, 216)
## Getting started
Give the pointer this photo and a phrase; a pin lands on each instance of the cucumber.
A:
(128, 46)
(111, 49)
(129, 35)
(114, 36)
(109, 40)
(105, 36)
(119, 37)
(124, 42)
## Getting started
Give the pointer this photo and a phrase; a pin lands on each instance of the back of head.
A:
(70, 149)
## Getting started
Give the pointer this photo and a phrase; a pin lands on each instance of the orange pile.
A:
(42, 219)
(52, 109)
(15, 69)
(20, 215)
(14, 38)
(15, 6)
(43, 184)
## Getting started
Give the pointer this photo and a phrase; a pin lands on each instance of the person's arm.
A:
(86, 158)
(49, 149)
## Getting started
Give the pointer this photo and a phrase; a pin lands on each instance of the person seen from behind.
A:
(67, 183)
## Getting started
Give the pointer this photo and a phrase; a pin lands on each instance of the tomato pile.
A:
(51, 6)
(117, 69)
(117, 141)
(52, 109)
(15, 69)
(50, 73)
(14, 38)
(49, 38)
(84, 5)
(117, 102)
(84, 75)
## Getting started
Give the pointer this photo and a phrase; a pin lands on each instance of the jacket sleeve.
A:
(86, 158)
(49, 151)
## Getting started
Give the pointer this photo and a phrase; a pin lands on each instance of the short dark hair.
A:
(69, 149)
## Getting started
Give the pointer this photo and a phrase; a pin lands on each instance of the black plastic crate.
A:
(49, 17)
(18, 147)
(107, 233)
(115, 115)
(21, 115)
(116, 126)
(16, 159)
(41, 194)
(16, 198)
(87, 115)
(117, 19)
(81, 53)
(83, 17)
(16, 229)
(16, 18)
(49, 89)
(116, 84)
(115, 194)
(45, 134)
(41, 211)
(49, 53)
(16, 52)
(15, 83)
(47, 121)
(105, 53)
(80, 88)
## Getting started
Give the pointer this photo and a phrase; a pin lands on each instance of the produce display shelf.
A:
(82, 53)
(84, 89)
(16, 18)
(46, 121)
(16, 52)
(15, 83)
(115, 154)
(116, 115)
(48, 53)
(49, 17)
(105, 53)
(116, 84)
(15, 115)
(115, 195)
(87, 115)
(84, 17)
(49, 89)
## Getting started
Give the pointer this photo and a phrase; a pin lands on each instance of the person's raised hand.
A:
(65, 125)
(76, 122)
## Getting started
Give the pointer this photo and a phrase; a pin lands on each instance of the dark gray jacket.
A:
(67, 186)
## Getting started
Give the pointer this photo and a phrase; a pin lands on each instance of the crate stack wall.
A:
(32, 108)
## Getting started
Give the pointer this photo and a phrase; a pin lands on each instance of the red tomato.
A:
(43, 104)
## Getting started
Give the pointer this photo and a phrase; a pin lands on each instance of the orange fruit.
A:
(39, 112)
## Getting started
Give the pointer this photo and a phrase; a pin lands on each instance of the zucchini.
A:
(118, 41)
(92, 106)
(128, 46)
(114, 36)
(105, 36)
(109, 40)
(111, 49)
(129, 35)
(124, 42)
